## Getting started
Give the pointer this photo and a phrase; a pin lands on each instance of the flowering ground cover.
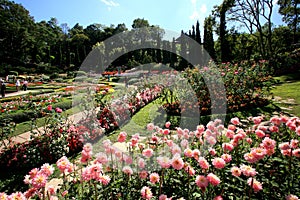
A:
(257, 160)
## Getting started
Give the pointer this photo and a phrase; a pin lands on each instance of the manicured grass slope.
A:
(288, 89)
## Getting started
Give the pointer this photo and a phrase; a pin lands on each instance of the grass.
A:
(287, 88)
(27, 126)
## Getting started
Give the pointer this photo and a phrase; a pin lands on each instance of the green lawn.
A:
(287, 89)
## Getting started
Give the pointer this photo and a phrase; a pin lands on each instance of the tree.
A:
(208, 40)
(198, 37)
(253, 14)
(221, 12)
(290, 9)
(16, 33)
(183, 52)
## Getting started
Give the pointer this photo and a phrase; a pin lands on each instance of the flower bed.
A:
(247, 84)
(260, 161)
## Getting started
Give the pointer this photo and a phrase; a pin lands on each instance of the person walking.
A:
(18, 84)
(25, 85)
(3, 89)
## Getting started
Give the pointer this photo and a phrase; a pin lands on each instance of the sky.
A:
(170, 15)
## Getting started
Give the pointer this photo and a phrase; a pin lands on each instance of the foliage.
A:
(243, 160)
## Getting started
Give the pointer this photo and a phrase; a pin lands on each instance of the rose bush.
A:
(260, 161)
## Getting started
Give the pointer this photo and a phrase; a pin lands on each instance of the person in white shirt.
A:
(18, 84)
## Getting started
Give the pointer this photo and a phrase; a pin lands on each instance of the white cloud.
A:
(110, 3)
(203, 9)
(194, 2)
(195, 15)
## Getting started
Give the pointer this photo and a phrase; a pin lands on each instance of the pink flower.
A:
(166, 131)
(143, 174)
(258, 153)
(184, 143)
(226, 157)
(50, 189)
(176, 149)
(296, 153)
(247, 170)
(196, 154)
(274, 129)
(213, 179)
(227, 146)
(218, 163)
(3, 196)
(177, 162)
(200, 128)
(231, 127)
(294, 143)
(291, 197)
(39, 181)
(268, 143)
(260, 133)
(150, 126)
(101, 158)
(168, 124)
(154, 178)
(64, 165)
(298, 130)
(146, 193)
(212, 152)
(47, 169)
(163, 197)
(188, 153)
(133, 142)
(203, 163)
(257, 186)
(235, 121)
(257, 120)
(275, 120)
(17, 196)
(85, 156)
(249, 140)
(235, 171)
(189, 169)
(284, 146)
(218, 198)
(58, 110)
(88, 147)
(250, 157)
(141, 163)
(104, 179)
(127, 170)
(122, 137)
(147, 153)
(229, 134)
(201, 181)
(164, 162)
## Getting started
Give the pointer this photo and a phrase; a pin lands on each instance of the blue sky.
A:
(168, 14)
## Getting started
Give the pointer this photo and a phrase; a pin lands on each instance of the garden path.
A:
(21, 92)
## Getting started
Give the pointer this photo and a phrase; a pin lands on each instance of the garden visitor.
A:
(3, 88)
(25, 85)
(18, 84)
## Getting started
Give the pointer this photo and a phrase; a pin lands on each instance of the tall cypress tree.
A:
(208, 37)
(183, 52)
(198, 37)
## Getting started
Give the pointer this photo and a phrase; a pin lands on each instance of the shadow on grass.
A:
(290, 78)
